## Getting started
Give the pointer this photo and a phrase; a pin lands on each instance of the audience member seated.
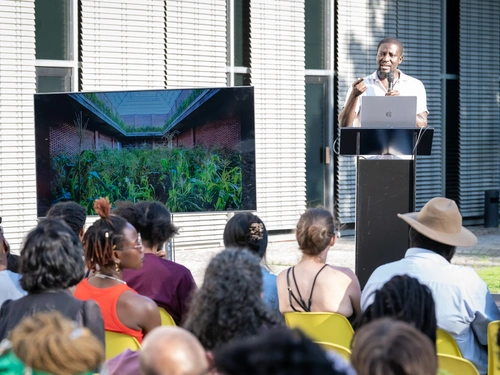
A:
(169, 284)
(247, 231)
(312, 285)
(51, 261)
(390, 347)
(165, 351)
(404, 298)
(277, 351)
(111, 245)
(47, 343)
(72, 213)
(229, 304)
(10, 288)
(464, 306)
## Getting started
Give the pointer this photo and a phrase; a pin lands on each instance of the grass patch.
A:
(491, 276)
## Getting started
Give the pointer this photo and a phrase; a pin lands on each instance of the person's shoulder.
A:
(410, 78)
(342, 271)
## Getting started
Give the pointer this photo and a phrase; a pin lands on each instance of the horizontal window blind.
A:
(479, 97)
(277, 67)
(17, 139)
(122, 44)
(196, 43)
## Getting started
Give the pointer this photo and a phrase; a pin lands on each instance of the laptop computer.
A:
(388, 111)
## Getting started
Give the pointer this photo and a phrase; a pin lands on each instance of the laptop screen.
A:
(388, 111)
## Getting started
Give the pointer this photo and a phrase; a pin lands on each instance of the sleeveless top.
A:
(107, 299)
(305, 307)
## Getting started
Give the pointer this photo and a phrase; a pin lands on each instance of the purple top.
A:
(125, 363)
(167, 283)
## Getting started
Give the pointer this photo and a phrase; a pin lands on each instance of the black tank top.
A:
(305, 307)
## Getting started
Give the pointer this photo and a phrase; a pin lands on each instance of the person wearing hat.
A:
(464, 305)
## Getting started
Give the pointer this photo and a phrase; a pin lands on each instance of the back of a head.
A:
(51, 343)
(151, 219)
(51, 257)
(315, 230)
(72, 213)
(404, 298)
(277, 351)
(390, 347)
(245, 230)
(172, 351)
(229, 304)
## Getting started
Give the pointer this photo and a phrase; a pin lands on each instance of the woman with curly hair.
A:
(313, 285)
(112, 245)
(47, 343)
(229, 303)
(167, 283)
(247, 231)
(50, 263)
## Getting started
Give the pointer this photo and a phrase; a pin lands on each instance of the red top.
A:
(107, 299)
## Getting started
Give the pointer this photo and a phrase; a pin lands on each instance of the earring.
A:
(117, 267)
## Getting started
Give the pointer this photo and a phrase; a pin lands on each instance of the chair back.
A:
(445, 344)
(322, 326)
(493, 350)
(339, 349)
(456, 365)
(166, 318)
(117, 343)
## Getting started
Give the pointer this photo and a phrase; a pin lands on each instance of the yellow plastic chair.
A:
(166, 318)
(493, 350)
(117, 343)
(342, 351)
(456, 365)
(445, 344)
(322, 326)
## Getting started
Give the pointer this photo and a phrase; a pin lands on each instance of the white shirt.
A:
(10, 288)
(406, 85)
(464, 306)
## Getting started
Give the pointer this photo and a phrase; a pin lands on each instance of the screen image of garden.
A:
(192, 149)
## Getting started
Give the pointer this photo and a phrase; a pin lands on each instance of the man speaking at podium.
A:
(388, 80)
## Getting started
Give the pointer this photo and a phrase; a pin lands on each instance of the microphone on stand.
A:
(390, 80)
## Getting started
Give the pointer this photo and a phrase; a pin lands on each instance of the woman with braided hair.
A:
(49, 344)
(112, 244)
(403, 298)
(313, 285)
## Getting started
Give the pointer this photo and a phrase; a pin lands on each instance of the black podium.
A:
(385, 186)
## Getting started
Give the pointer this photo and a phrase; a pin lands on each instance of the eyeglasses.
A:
(136, 247)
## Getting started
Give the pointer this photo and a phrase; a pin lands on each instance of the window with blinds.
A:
(361, 24)
(17, 139)
(196, 43)
(277, 67)
(122, 44)
(479, 98)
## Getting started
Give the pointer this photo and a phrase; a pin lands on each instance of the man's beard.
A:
(383, 74)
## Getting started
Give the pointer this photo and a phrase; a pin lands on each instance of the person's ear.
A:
(6, 246)
(81, 234)
(400, 59)
(332, 241)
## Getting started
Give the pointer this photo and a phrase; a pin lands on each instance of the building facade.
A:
(300, 55)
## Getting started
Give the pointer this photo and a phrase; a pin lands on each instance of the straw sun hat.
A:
(440, 220)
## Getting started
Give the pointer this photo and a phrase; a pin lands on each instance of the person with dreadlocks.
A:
(49, 344)
(403, 298)
(111, 245)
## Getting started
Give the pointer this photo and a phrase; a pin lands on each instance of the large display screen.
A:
(192, 149)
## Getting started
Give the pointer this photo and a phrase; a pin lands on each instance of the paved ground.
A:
(283, 252)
